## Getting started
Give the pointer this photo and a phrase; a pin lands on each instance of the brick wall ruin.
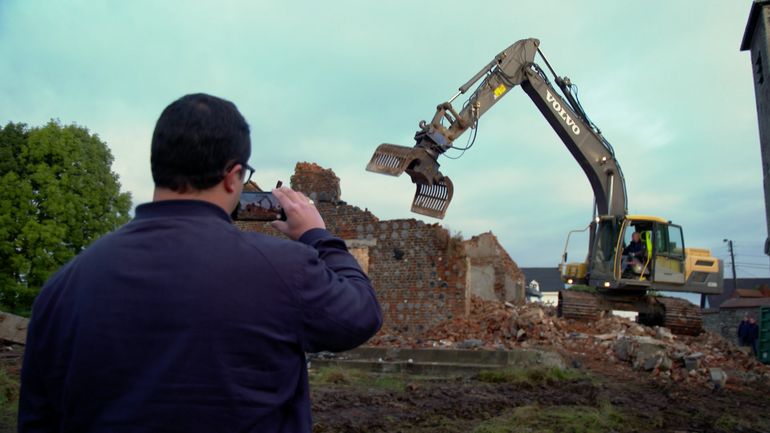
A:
(494, 274)
(422, 275)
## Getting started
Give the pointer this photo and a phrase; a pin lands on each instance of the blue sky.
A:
(329, 81)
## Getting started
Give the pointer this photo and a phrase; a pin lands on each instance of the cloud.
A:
(329, 81)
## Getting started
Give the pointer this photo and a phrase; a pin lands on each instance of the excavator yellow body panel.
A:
(700, 260)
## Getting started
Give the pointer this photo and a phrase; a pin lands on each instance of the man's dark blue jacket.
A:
(180, 322)
(637, 248)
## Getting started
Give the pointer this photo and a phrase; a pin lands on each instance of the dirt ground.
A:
(593, 401)
(598, 400)
(594, 397)
(611, 384)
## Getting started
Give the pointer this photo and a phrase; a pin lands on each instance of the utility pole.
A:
(732, 261)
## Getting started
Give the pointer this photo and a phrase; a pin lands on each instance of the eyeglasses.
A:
(248, 171)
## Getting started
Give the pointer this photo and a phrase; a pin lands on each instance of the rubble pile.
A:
(500, 326)
(611, 342)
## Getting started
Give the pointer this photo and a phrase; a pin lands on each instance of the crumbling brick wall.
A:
(421, 274)
(494, 275)
(318, 183)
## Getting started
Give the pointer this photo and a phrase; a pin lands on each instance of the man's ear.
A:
(233, 178)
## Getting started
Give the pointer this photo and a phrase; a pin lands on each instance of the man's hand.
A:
(301, 213)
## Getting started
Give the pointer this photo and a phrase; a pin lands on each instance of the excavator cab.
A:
(664, 262)
(613, 265)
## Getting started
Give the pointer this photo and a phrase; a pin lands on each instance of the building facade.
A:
(755, 40)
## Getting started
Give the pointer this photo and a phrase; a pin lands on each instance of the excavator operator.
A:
(633, 254)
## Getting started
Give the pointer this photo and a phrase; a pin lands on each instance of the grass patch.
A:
(389, 382)
(336, 376)
(730, 423)
(353, 377)
(559, 419)
(435, 423)
(532, 376)
(582, 288)
(9, 401)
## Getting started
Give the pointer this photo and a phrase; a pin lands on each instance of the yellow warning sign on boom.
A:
(499, 91)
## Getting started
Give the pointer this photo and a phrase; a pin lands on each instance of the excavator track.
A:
(578, 305)
(681, 317)
(678, 315)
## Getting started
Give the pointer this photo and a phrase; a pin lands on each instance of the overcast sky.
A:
(328, 81)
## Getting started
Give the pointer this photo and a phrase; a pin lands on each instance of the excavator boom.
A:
(512, 67)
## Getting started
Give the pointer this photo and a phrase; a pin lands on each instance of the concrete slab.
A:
(13, 328)
(439, 362)
(396, 367)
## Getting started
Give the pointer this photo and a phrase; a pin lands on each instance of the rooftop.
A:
(748, 34)
(746, 286)
(548, 278)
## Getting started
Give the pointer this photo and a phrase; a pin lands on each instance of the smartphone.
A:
(258, 206)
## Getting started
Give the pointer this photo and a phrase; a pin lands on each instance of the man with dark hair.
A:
(194, 139)
(178, 321)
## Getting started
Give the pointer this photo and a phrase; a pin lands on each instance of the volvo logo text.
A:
(562, 113)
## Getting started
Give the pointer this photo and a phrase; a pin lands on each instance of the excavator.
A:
(612, 278)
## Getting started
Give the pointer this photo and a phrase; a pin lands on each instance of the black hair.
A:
(196, 140)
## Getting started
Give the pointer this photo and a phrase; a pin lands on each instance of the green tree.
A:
(57, 195)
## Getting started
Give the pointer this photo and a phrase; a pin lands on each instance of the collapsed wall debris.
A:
(611, 343)
(422, 274)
